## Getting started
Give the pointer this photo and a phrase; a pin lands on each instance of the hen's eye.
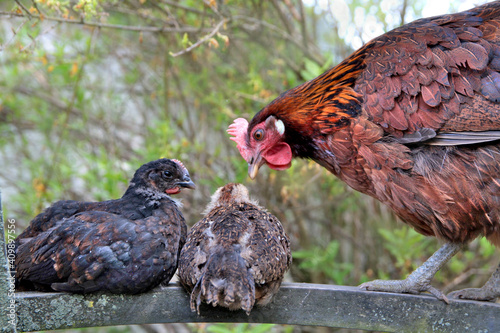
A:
(258, 135)
(167, 174)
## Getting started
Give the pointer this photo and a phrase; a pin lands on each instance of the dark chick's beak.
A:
(254, 166)
(186, 183)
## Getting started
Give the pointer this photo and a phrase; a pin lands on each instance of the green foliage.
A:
(240, 328)
(324, 260)
(406, 246)
(313, 69)
(486, 248)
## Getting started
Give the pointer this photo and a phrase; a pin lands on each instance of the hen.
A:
(412, 119)
(128, 245)
(236, 255)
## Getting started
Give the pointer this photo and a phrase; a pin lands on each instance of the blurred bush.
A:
(90, 90)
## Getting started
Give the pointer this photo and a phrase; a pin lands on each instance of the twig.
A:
(213, 8)
(111, 26)
(464, 276)
(34, 4)
(201, 41)
(189, 9)
(33, 39)
(250, 97)
(14, 34)
(24, 8)
(282, 34)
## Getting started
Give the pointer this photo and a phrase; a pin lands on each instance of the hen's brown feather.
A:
(429, 72)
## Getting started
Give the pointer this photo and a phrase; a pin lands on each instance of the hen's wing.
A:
(438, 73)
(101, 251)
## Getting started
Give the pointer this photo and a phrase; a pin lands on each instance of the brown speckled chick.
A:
(237, 255)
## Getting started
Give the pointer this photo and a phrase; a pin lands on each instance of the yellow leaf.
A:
(213, 42)
(264, 93)
(284, 193)
(224, 38)
(74, 69)
(185, 40)
(212, 3)
(39, 187)
(272, 177)
(50, 68)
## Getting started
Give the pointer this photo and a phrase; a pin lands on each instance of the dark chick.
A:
(236, 255)
(128, 245)
(411, 119)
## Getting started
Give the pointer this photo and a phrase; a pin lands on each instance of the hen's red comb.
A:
(238, 129)
(180, 163)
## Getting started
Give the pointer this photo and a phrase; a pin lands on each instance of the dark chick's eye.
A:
(167, 174)
(258, 134)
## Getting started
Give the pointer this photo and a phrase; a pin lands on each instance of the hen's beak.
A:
(254, 166)
(187, 183)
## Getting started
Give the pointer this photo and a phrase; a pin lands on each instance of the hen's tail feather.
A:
(225, 281)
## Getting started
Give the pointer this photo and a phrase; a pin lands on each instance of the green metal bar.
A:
(295, 304)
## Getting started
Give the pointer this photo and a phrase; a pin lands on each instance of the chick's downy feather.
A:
(237, 255)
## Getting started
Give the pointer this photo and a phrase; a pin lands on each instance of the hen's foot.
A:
(419, 280)
(489, 292)
(409, 286)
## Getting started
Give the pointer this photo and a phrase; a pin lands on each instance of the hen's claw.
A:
(489, 292)
(420, 280)
(404, 286)
(474, 294)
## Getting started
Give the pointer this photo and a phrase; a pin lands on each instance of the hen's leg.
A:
(420, 279)
(489, 292)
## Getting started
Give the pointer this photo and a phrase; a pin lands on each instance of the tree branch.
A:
(316, 56)
(186, 8)
(24, 9)
(14, 34)
(201, 41)
(106, 25)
